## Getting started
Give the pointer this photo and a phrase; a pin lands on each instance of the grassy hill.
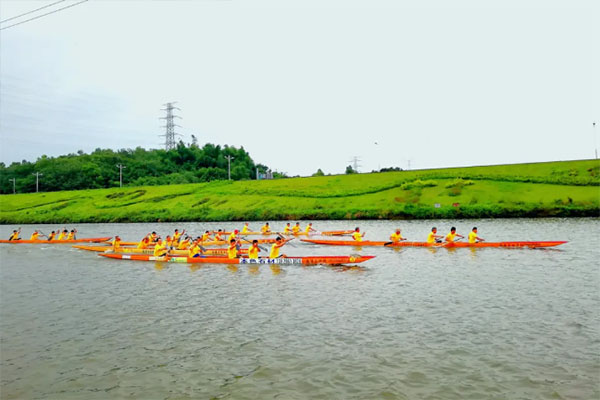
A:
(565, 188)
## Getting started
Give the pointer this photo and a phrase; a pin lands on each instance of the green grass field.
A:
(566, 188)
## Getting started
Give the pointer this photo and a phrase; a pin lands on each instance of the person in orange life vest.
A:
(116, 244)
(35, 235)
(71, 235)
(396, 236)
(51, 236)
(15, 235)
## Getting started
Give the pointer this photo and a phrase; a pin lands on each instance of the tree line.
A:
(100, 169)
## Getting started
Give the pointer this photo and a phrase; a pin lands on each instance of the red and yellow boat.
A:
(133, 250)
(82, 240)
(513, 244)
(312, 260)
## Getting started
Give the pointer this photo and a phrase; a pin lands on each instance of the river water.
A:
(412, 323)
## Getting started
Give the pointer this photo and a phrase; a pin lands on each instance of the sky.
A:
(306, 85)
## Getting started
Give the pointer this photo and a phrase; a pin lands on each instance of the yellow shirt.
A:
(431, 237)
(472, 237)
(232, 252)
(61, 236)
(176, 236)
(52, 236)
(206, 237)
(253, 252)
(395, 237)
(194, 250)
(357, 236)
(296, 228)
(245, 229)
(287, 229)
(450, 237)
(232, 236)
(307, 229)
(71, 236)
(142, 244)
(160, 249)
(14, 236)
(274, 251)
(34, 236)
(265, 229)
(116, 245)
(184, 244)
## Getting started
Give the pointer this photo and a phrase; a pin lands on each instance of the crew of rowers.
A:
(194, 246)
(54, 235)
(433, 237)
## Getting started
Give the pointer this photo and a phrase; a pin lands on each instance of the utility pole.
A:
(229, 158)
(355, 162)
(595, 139)
(37, 180)
(120, 166)
(14, 183)
(170, 126)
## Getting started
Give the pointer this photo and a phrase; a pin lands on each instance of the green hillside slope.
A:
(566, 188)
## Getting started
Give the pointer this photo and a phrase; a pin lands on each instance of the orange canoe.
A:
(92, 240)
(529, 244)
(313, 260)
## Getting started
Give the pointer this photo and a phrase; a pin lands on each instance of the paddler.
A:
(160, 249)
(184, 244)
(177, 235)
(309, 228)
(169, 242)
(206, 236)
(396, 236)
(246, 228)
(116, 244)
(357, 236)
(143, 244)
(35, 235)
(51, 236)
(451, 237)
(232, 250)
(233, 236)
(288, 229)
(195, 250)
(296, 228)
(265, 228)
(275, 247)
(71, 235)
(253, 250)
(433, 237)
(153, 237)
(218, 236)
(473, 238)
(15, 235)
(63, 234)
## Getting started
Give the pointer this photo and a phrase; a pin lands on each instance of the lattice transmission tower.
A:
(170, 133)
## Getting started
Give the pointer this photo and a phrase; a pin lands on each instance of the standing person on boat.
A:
(356, 235)
(473, 238)
(451, 237)
(433, 237)
(309, 229)
(246, 228)
(71, 235)
(15, 235)
(35, 235)
(160, 249)
(396, 236)
(296, 228)
(265, 228)
(288, 229)
(116, 244)
(275, 247)
(253, 250)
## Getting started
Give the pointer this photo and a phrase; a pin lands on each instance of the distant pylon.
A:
(355, 163)
(170, 126)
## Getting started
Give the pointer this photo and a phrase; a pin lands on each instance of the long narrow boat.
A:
(133, 250)
(83, 240)
(302, 233)
(529, 244)
(314, 260)
(208, 242)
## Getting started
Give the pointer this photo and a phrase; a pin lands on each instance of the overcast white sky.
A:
(304, 84)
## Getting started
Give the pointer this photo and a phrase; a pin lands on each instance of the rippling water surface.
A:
(411, 323)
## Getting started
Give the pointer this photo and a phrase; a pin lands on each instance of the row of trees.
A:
(184, 164)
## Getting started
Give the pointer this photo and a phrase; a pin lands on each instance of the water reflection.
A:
(233, 268)
(275, 269)
(254, 270)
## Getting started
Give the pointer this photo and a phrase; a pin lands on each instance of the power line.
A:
(30, 12)
(43, 15)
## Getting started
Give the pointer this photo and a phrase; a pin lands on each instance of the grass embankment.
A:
(567, 188)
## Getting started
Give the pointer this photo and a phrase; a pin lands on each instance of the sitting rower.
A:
(218, 235)
(265, 228)
(143, 244)
(253, 250)
(473, 238)
(63, 234)
(51, 236)
(116, 244)
(433, 237)
(233, 236)
(451, 237)
(296, 228)
(177, 236)
(357, 236)
(232, 250)
(246, 228)
(396, 236)
(195, 250)
(15, 235)
(309, 228)
(206, 236)
(288, 229)
(184, 244)
(275, 247)
(71, 235)
(35, 235)
(160, 250)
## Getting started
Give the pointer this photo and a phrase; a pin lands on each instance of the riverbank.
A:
(552, 189)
